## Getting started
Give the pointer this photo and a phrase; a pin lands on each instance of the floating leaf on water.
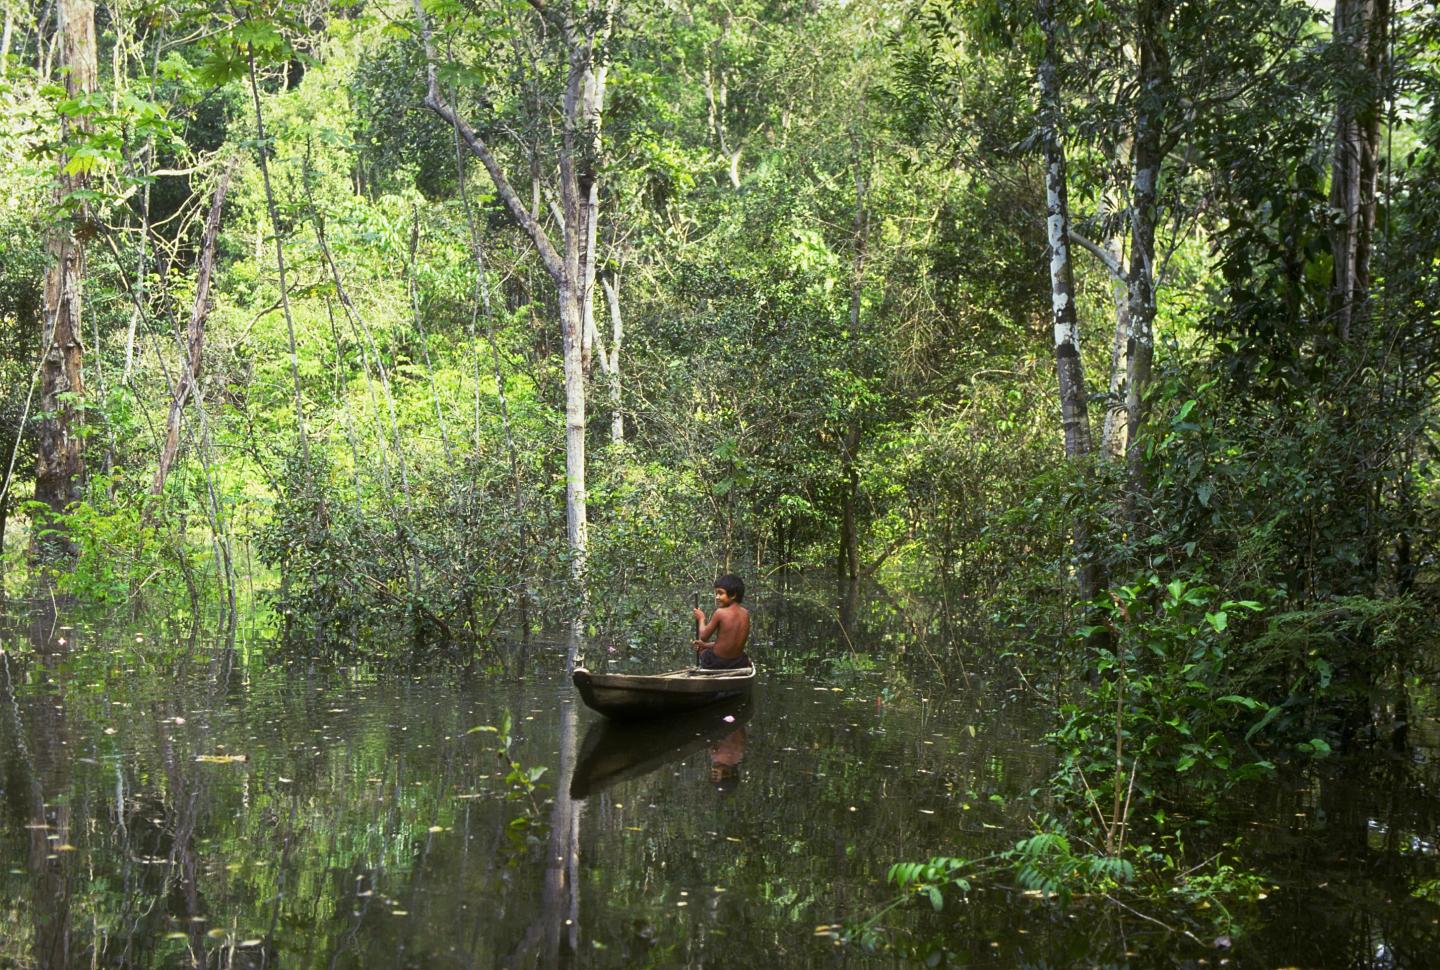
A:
(216, 934)
(67, 847)
(399, 912)
(251, 942)
(222, 759)
(436, 828)
(971, 729)
(176, 936)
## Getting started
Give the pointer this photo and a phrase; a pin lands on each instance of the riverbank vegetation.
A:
(402, 325)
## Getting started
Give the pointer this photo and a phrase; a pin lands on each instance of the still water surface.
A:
(289, 817)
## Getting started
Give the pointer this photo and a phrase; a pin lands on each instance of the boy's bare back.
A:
(729, 625)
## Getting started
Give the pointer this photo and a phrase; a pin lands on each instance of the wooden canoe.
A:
(616, 751)
(633, 696)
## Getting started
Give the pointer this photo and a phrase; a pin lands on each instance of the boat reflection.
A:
(616, 751)
(725, 757)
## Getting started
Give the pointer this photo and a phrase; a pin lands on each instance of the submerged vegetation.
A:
(1107, 330)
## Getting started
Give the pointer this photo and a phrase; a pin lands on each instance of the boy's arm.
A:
(707, 630)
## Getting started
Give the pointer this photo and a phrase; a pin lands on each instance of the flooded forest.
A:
(1052, 388)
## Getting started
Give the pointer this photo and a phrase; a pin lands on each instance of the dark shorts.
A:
(708, 661)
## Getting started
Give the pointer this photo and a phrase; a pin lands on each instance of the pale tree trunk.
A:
(60, 464)
(1070, 371)
(573, 265)
(1065, 328)
(1149, 154)
(848, 562)
(610, 363)
(1112, 436)
(6, 36)
(189, 378)
(1362, 26)
(1361, 31)
(262, 151)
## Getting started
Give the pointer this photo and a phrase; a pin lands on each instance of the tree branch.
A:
(1108, 259)
(436, 102)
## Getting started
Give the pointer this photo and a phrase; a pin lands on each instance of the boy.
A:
(729, 625)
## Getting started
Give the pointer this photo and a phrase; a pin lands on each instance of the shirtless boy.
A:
(729, 625)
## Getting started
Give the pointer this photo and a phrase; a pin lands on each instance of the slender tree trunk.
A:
(1149, 154)
(1070, 371)
(262, 150)
(5, 38)
(849, 552)
(1361, 31)
(195, 334)
(60, 464)
(612, 361)
(572, 267)
(1362, 26)
(1112, 436)
(1069, 367)
(414, 287)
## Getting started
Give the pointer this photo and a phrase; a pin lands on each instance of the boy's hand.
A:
(698, 645)
(699, 615)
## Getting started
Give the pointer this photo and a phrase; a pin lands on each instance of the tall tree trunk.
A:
(262, 151)
(1112, 436)
(572, 267)
(1361, 30)
(5, 38)
(612, 361)
(1362, 26)
(849, 552)
(1154, 82)
(60, 464)
(1069, 368)
(188, 380)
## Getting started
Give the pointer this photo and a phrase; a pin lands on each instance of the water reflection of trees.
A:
(380, 836)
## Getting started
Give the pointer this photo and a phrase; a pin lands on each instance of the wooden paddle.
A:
(694, 657)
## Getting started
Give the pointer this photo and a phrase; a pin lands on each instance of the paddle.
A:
(695, 599)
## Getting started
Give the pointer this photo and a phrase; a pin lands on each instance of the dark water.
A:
(180, 816)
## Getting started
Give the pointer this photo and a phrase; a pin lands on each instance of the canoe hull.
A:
(638, 696)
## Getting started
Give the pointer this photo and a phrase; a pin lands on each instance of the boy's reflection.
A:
(725, 757)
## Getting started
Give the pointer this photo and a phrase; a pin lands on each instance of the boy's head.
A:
(733, 586)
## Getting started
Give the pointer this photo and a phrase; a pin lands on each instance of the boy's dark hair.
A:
(733, 585)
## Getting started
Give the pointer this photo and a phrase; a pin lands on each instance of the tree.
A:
(584, 36)
(1362, 29)
(1069, 368)
(60, 465)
